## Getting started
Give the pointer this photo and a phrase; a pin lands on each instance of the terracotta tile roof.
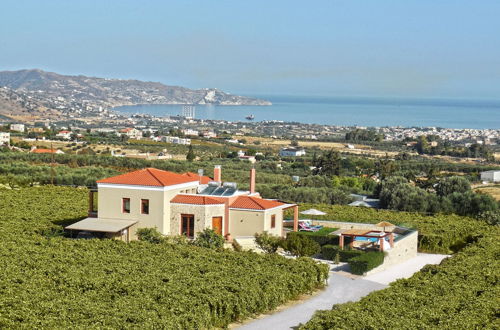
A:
(194, 176)
(44, 151)
(149, 177)
(197, 200)
(254, 203)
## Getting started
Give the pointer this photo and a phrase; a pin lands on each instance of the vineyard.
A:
(461, 293)
(48, 281)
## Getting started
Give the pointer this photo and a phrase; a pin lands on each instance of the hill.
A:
(81, 96)
(117, 91)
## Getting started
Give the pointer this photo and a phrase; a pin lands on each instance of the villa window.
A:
(144, 206)
(273, 221)
(126, 205)
(187, 225)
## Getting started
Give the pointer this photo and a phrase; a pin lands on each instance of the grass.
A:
(493, 190)
(322, 231)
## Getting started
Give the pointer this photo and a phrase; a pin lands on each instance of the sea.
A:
(364, 112)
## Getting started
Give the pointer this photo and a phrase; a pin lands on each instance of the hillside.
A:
(28, 95)
(116, 91)
(19, 106)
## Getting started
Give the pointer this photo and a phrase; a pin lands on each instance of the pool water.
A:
(366, 239)
(374, 239)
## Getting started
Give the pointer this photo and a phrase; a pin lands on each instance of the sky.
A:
(381, 48)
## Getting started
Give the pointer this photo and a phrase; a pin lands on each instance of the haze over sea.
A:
(378, 112)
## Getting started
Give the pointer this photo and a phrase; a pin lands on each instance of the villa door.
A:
(187, 225)
(217, 225)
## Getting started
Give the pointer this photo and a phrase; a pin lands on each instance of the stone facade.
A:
(404, 249)
(203, 215)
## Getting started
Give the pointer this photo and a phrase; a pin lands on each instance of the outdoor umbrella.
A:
(384, 224)
(312, 212)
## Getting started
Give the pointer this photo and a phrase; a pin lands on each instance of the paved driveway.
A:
(341, 289)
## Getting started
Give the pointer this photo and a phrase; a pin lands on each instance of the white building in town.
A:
(490, 176)
(190, 131)
(174, 140)
(292, 152)
(65, 135)
(131, 133)
(4, 138)
(17, 127)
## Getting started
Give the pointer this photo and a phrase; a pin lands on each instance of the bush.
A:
(208, 238)
(365, 262)
(151, 235)
(319, 238)
(329, 252)
(268, 243)
(300, 246)
(490, 217)
(237, 246)
(347, 255)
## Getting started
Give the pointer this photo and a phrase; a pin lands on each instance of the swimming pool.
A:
(374, 239)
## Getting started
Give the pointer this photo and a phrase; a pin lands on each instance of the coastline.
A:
(469, 114)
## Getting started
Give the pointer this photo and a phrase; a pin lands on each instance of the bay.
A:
(371, 112)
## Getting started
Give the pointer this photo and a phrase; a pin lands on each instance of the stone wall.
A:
(404, 249)
(203, 215)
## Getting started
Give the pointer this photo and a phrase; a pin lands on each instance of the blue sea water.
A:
(372, 112)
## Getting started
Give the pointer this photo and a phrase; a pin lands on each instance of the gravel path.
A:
(341, 289)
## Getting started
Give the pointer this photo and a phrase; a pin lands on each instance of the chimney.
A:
(217, 173)
(252, 180)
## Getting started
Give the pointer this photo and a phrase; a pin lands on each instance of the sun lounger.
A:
(305, 227)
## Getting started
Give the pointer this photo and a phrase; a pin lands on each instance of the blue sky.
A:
(410, 48)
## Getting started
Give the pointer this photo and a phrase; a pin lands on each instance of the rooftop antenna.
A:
(188, 111)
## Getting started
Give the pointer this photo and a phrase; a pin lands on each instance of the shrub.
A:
(329, 251)
(151, 235)
(208, 238)
(321, 237)
(237, 246)
(490, 217)
(301, 246)
(267, 242)
(365, 262)
(347, 255)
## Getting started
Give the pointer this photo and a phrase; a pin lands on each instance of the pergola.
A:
(378, 234)
(112, 226)
(295, 216)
